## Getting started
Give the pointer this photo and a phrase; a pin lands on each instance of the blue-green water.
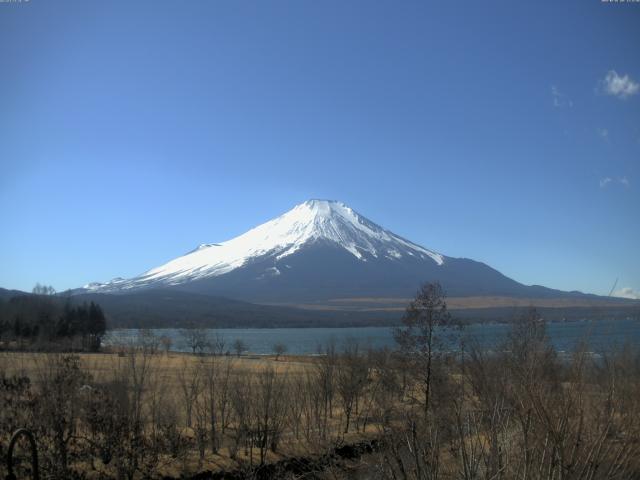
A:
(601, 335)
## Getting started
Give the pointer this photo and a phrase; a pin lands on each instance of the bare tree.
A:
(216, 371)
(426, 323)
(166, 342)
(279, 349)
(43, 290)
(352, 376)
(216, 344)
(190, 381)
(326, 367)
(196, 339)
(269, 410)
(240, 399)
(58, 408)
(239, 346)
(148, 341)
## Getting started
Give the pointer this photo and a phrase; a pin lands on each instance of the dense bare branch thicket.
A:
(520, 411)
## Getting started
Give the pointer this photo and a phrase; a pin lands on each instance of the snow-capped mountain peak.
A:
(324, 221)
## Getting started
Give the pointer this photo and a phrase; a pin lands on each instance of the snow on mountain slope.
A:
(309, 222)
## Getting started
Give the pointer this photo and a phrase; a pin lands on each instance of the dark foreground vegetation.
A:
(519, 412)
(43, 321)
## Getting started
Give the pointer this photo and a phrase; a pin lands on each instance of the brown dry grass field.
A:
(101, 365)
(167, 375)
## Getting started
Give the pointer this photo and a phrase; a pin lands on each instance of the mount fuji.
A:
(321, 251)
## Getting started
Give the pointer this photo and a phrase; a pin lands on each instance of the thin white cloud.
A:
(620, 86)
(604, 134)
(627, 292)
(605, 181)
(560, 100)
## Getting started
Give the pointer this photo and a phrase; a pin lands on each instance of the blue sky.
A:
(507, 132)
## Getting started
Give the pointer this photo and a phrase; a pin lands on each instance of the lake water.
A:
(601, 335)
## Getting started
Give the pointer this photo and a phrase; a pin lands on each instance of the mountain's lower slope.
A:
(322, 271)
